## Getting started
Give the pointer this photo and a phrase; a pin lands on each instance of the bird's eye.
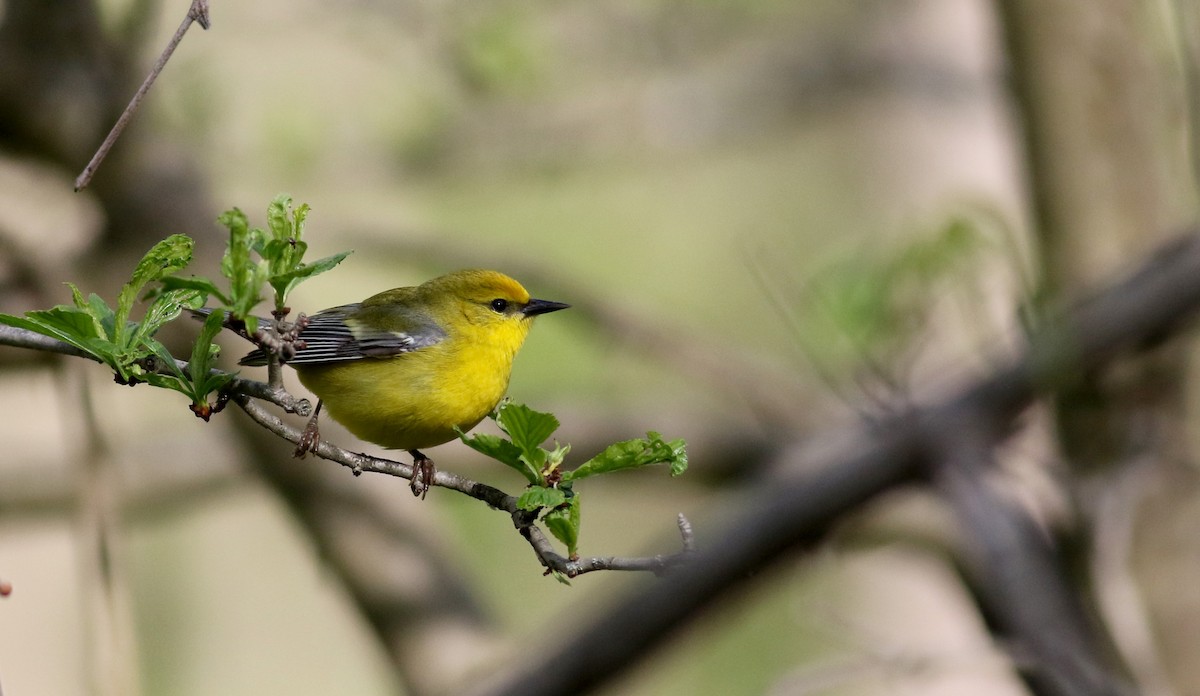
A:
(499, 305)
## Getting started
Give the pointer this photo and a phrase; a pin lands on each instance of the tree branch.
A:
(1020, 580)
(244, 391)
(796, 512)
(20, 338)
(793, 513)
(523, 520)
(197, 12)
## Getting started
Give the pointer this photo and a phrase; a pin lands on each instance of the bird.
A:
(410, 368)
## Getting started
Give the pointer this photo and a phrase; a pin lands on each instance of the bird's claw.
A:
(423, 471)
(311, 437)
(309, 440)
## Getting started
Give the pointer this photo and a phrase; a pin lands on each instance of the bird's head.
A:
(497, 307)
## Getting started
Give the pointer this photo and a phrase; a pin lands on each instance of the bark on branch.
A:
(792, 514)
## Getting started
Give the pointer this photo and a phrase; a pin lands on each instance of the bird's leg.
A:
(311, 437)
(423, 470)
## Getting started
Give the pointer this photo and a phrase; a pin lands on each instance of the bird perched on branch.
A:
(403, 369)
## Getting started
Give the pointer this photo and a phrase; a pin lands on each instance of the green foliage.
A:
(871, 307)
(527, 430)
(202, 378)
(107, 334)
(536, 497)
(164, 259)
(129, 347)
(245, 276)
(551, 488)
(280, 250)
(563, 522)
(502, 450)
(283, 249)
(256, 258)
(633, 454)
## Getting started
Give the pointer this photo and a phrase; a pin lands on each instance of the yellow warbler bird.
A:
(403, 369)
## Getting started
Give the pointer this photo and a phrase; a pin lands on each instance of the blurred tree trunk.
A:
(63, 82)
(1109, 179)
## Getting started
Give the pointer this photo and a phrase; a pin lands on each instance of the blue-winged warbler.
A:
(403, 369)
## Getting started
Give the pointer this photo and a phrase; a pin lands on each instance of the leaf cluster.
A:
(254, 259)
(109, 334)
(280, 263)
(551, 487)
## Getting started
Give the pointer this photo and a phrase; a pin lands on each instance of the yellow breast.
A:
(415, 400)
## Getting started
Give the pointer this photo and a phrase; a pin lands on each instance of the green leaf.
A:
(204, 356)
(528, 429)
(204, 351)
(280, 250)
(213, 382)
(201, 380)
(162, 381)
(563, 523)
(284, 283)
(555, 457)
(202, 285)
(279, 217)
(298, 218)
(164, 259)
(286, 247)
(66, 324)
(284, 251)
(108, 335)
(502, 451)
(245, 275)
(287, 259)
(176, 380)
(536, 497)
(94, 306)
(165, 307)
(633, 454)
(237, 253)
(283, 254)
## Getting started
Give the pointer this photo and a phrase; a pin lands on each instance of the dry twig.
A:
(197, 12)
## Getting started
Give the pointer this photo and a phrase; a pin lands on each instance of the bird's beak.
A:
(535, 307)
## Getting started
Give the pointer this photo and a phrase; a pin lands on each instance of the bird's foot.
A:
(423, 471)
(311, 437)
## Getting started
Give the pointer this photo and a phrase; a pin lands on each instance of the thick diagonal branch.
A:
(792, 514)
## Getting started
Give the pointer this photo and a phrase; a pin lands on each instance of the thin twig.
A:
(243, 391)
(685, 531)
(197, 12)
(523, 520)
(1186, 18)
(21, 338)
(276, 395)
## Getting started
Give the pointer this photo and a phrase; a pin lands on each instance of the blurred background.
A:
(773, 218)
